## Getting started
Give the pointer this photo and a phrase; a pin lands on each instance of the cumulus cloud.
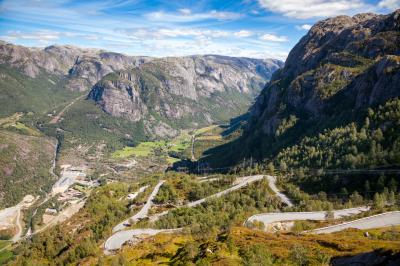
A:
(273, 38)
(243, 34)
(304, 27)
(389, 4)
(313, 8)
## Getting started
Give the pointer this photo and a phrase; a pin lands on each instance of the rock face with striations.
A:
(343, 65)
(188, 91)
(81, 68)
(165, 93)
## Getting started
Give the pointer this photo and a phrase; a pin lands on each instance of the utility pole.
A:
(251, 165)
(244, 166)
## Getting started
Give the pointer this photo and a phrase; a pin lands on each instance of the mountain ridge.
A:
(191, 90)
(339, 69)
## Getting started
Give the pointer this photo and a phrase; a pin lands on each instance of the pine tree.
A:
(378, 201)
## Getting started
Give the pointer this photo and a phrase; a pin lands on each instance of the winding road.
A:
(283, 197)
(380, 220)
(120, 237)
(273, 217)
(143, 213)
(116, 241)
(245, 182)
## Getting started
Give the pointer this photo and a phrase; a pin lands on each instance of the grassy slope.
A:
(241, 246)
(25, 162)
(86, 123)
(20, 93)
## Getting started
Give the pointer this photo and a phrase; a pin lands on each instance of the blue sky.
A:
(260, 29)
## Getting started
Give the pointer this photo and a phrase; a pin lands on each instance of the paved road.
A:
(58, 116)
(268, 218)
(116, 241)
(143, 213)
(375, 221)
(283, 197)
(120, 237)
(244, 183)
(135, 194)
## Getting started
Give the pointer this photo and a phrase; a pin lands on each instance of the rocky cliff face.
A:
(81, 68)
(344, 64)
(165, 94)
(183, 91)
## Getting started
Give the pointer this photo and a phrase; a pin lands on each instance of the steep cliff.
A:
(352, 59)
(339, 69)
(178, 92)
(79, 68)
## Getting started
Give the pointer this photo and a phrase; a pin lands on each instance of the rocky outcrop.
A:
(343, 64)
(183, 91)
(165, 93)
(80, 68)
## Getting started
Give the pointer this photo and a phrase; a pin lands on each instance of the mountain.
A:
(183, 92)
(41, 80)
(163, 94)
(81, 68)
(341, 68)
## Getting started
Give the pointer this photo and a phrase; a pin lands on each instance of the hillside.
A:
(204, 159)
(80, 68)
(159, 96)
(174, 93)
(342, 67)
(25, 163)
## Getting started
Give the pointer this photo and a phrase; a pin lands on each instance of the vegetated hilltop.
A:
(26, 158)
(342, 67)
(183, 92)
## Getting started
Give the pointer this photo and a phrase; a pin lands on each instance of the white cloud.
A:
(243, 34)
(304, 27)
(172, 47)
(42, 37)
(186, 15)
(273, 38)
(389, 4)
(161, 33)
(314, 8)
(185, 11)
